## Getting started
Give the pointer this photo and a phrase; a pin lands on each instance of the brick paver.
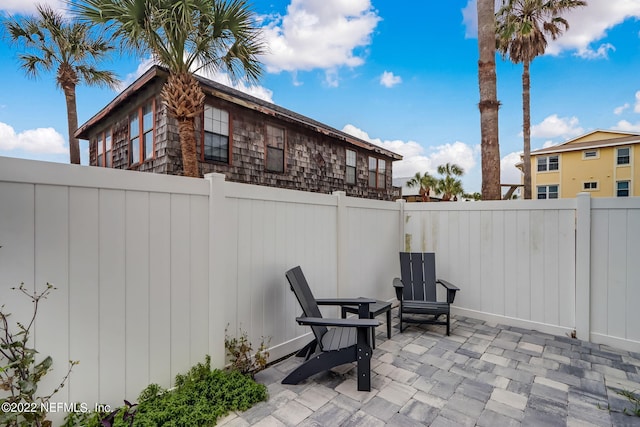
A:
(482, 375)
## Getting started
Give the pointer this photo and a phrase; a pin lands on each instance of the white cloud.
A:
(509, 174)
(601, 53)
(37, 141)
(636, 108)
(586, 25)
(418, 159)
(591, 23)
(554, 126)
(626, 126)
(253, 90)
(388, 79)
(470, 18)
(619, 110)
(28, 7)
(223, 78)
(331, 77)
(319, 34)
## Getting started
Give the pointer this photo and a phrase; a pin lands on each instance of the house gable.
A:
(595, 139)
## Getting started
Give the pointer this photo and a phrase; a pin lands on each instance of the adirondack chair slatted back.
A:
(418, 271)
(301, 289)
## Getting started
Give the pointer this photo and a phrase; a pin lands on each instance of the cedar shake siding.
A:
(246, 139)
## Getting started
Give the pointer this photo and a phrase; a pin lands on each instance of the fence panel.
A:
(615, 272)
(512, 260)
(371, 249)
(129, 255)
(268, 231)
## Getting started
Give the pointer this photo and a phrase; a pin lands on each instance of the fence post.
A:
(341, 240)
(401, 238)
(217, 268)
(583, 266)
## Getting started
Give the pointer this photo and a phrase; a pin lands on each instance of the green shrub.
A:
(199, 398)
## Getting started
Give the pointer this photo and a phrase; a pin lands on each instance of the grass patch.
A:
(199, 398)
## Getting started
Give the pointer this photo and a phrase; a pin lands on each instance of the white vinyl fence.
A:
(152, 269)
(514, 260)
(614, 279)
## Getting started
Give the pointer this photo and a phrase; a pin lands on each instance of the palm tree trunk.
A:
(184, 100)
(488, 100)
(526, 128)
(72, 122)
(186, 129)
(67, 78)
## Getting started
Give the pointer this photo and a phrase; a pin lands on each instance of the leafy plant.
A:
(20, 373)
(631, 396)
(199, 398)
(240, 351)
(634, 399)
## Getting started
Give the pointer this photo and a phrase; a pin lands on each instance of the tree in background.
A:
(472, 196)
(488, 100)
(450, 186)
(425, 182)
(184, 36)
(521, 34)
(71, 49)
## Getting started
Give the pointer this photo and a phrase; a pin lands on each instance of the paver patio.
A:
(482, 375)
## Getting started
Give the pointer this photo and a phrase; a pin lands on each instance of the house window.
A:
(141, 134)
(549, 163)
(216, 134)
(590, 186)
(590, 154)
(622, 188)
(377, 172)
(103, 149)
(275, 149)
(351, 167)
(547, 192)
(108, 150)
(623, 156)
(100, 150)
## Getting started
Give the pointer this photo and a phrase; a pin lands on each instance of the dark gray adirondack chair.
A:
(416, 291)
(346, 341)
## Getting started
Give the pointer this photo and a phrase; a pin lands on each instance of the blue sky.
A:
(401, 74)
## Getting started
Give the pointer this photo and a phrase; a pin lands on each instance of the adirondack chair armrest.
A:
(345, 323)
(398, 286)
(451, 290)
(345, 301)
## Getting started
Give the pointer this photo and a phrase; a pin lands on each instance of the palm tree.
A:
(488, 100)
(449, 186)
(450, 169)
(521, 34)
(472, 196)
(425, 182)
(184, 36)
(69, 48)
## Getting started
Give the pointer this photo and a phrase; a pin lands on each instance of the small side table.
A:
(375, 309)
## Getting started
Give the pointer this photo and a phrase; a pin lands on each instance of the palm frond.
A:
(522, 26)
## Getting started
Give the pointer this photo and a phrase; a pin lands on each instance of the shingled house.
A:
(247, 139)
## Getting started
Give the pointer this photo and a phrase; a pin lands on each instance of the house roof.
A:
(595, 139)
(236, 97)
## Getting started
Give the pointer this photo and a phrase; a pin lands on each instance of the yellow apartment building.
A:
(603, 163)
